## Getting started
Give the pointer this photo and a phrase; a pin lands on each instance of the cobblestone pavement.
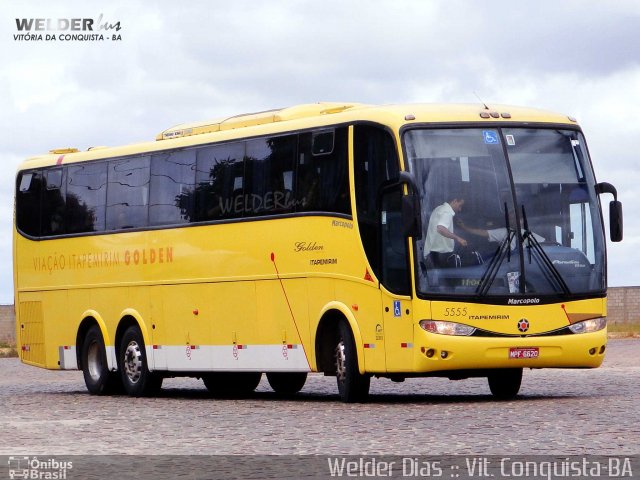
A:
(559, 412)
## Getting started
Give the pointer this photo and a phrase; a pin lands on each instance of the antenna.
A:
(478, 97)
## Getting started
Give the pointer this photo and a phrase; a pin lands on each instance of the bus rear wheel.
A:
(97, 377)
(286, 383)
(505, 383)
(231, 384)
(137, 380)
(352, 385)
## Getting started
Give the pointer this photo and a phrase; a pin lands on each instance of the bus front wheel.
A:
(286, 383)
(137, 380)
(505, 383)
(352, 385)
(97, 377)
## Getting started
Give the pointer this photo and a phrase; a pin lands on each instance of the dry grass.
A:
(8, 352)
(624, 330)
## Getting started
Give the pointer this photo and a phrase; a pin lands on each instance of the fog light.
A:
(430, 353)
(592, 351)
(444, 354)
(602, 349)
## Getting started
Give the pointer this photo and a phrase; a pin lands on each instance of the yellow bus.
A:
(353, 240)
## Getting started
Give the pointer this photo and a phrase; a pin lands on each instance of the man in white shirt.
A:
(441, 239)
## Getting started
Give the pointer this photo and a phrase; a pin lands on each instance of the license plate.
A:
(529, 352)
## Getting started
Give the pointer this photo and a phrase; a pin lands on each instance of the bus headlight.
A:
(446, 328)
(589, 326)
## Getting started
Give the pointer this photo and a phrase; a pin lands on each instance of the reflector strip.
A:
(406, 345)
(369, 345)
(242, 347)
(59, 161)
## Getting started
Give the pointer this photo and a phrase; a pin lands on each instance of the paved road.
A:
(559, 412)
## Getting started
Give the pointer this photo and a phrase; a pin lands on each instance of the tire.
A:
(352, 385)
(231, 384)
(285, 383)
(137, 380)
(97, 377)
(505, 384)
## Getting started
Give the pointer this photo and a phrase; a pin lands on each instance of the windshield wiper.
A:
(504, 249)
(534, 247)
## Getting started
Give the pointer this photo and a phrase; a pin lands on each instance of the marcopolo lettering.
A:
(523, 301)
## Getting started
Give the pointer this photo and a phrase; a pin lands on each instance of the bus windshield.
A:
(506, 212)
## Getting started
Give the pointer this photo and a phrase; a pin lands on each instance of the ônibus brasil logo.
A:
(67, 30)
(49, 468)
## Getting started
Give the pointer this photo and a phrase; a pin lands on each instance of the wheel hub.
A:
(340, 362)
(94, 361)
(133, 362)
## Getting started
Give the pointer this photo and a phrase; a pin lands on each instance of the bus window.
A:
(323, 174)
(128, 193)
(219, 182)
(375, 162)
(86, 197)
(268, 172)
(173, 177)
(28, 203)
(53, 206)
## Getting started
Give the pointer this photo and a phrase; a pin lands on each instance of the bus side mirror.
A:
(615, 220)
(411, 216)
(615, 211)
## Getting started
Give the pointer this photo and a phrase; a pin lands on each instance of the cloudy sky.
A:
(207, 59)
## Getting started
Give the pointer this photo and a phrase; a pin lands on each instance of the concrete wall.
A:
(7, 324)
(624, 307)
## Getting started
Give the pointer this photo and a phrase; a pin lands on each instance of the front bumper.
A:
(585, 350)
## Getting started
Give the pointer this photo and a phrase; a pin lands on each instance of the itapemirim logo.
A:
(67, 30)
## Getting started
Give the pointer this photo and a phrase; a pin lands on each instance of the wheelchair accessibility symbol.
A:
(396, 308)
(490, 137)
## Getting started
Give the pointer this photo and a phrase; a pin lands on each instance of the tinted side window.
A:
(86, 197)
(173, 178)
(128, 193)
(375, 162)
(220, 182)
(269, 166)
(28, 197)
(54, 205)
(323, 178)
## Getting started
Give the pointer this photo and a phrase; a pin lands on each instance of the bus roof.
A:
(302, 117)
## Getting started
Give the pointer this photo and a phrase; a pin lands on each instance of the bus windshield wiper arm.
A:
(504, 249)
(534, 247)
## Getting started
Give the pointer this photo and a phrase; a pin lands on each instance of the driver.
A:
(441, 239)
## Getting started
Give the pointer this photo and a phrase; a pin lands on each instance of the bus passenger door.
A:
(396, 285)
